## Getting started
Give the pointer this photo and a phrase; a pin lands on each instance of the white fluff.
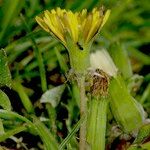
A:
(102, 60)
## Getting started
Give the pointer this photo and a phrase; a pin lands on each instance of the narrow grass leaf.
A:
(23, 96)
(11, 9)
(12, 132)
(36, 126)
(143, 134)
(146, 94)
(145, 146)
(61, 61)
(143, 58)
(38, 56)
(71, 134)
(49, 141)
(10, 115)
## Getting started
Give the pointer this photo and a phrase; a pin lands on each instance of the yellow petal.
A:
(52, 24)
(53, 11)
(83, 14)
(81, 25)
(71, 24)
(60, 12)
(82, 18)
(94, 10)
(41, 22)
(96, 20)
(87, 26)
(106, 16)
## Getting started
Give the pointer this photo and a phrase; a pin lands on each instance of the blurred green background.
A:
(128, 26)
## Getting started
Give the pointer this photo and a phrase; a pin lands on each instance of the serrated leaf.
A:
(4, 101)
(53, 95)
(5, 77)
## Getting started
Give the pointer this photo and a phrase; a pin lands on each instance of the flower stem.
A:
(83, 111)
(97, 119)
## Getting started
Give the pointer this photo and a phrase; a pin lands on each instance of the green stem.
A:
(97, 119)
(91, 125)
(79, 55)
(83, 112)
(99, 142)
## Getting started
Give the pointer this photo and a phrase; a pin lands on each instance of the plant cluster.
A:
(82, 84)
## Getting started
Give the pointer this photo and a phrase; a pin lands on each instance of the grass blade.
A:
(10, 11)
(12, 132)
(23, 96)
(70, 135)
(38, 56)
(47, 138)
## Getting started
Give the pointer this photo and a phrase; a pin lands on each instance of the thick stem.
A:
(79, 61)
(83, 111)
(99, 142)
(97, 118)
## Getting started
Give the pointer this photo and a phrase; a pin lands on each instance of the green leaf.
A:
(70, 135)
(4, 101)
(38, 56)
(12, 132)
(37, 126)
(145, 146)
(61, 61)
(5, 77)
(10, 115)
(49, 141)
(53, 95)
(124, 107)
(143, 58)
(23, 96)
(116, 51)
(143, 134)
(146, 94)
(11, 9)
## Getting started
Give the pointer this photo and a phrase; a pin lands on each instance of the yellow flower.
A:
(80, 27)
